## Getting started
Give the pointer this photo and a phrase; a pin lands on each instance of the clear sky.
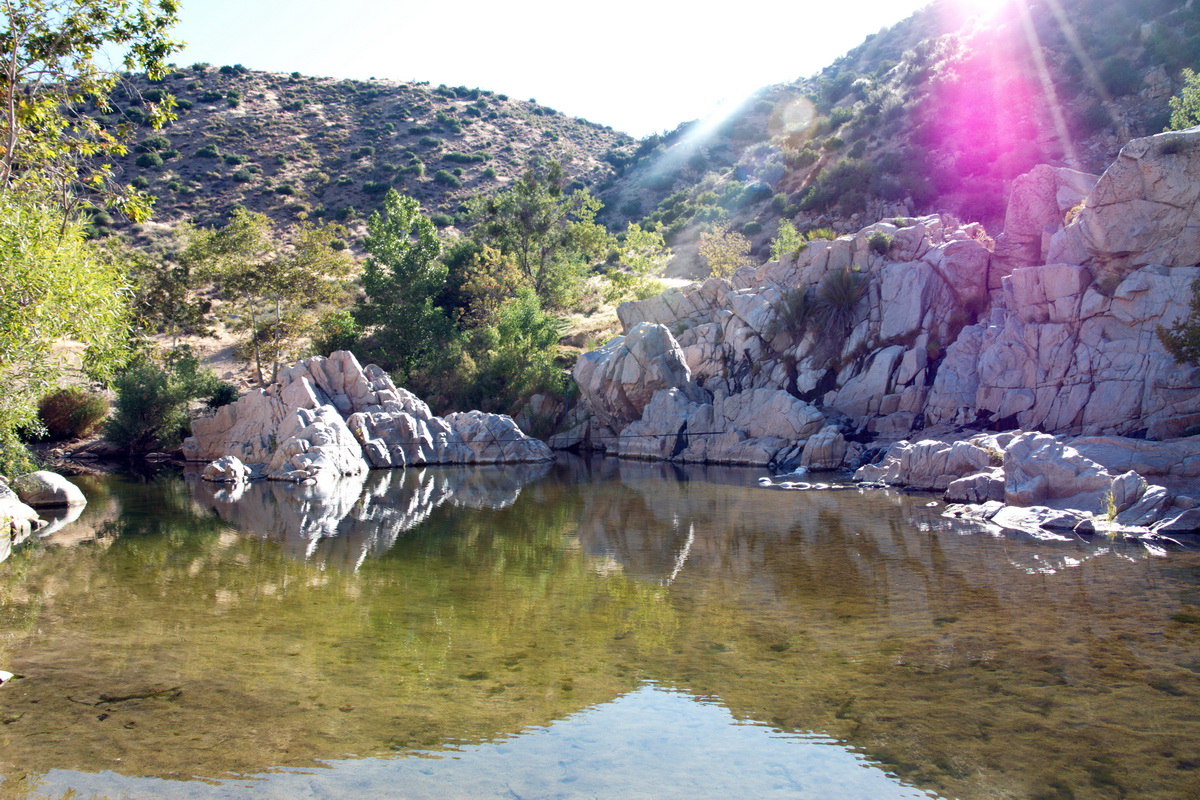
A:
(641, 66)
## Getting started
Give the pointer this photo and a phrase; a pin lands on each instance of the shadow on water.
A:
(184, 630)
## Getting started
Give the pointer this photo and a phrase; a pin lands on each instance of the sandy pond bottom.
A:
(587, 629)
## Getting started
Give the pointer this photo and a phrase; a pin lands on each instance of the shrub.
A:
(285, 189)
(233, 98)
(151, 409)
(447, 179)
(243, 176)
(209, 150)
(223, 395)
(752, 228)
(71, 412)
(336, 330)
(149, 160)
(153, 143)
(1120, 76)
(429, 141)
(233, 159)
(363, 152)
(1182, 340)
(787, 240)
(880, 242)
(489, 173)
(139, 182)
(442, 220)
(838, 297)
(376, 187)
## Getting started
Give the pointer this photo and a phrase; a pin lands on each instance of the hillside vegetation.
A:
(290, 145)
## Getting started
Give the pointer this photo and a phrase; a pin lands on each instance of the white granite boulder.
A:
(328, 417)
(44, 489)
(226, 469)
(618, 380)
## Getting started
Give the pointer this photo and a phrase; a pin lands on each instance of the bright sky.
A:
(641, 66)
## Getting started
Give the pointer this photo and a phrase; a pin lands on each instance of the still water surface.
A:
(587, 629)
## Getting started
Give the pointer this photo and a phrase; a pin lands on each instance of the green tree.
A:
(401, 280)
(1185, 106)
(1182, 340)
(724, 251)
(52, 53)
(551, 232)
(279, 283)
(515, 358)
(53, 286)
(644, 254)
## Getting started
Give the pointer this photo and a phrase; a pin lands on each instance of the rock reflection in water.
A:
(343, 521)
(973, 664)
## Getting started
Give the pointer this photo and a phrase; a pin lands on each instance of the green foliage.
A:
(724, 251)
(71, 412)
(1182, 340)
(210, 150)
(786, 241)
(153, 144)
(151, 410)
(222, 395)
(336, 330)
(246, 261)
(53, 285)
(550, 232)
(1120, 77)
(52, 54)
(447, 179)
(838, 298)
(752, 228)
(401, 279)
(880, 242)
(644, 254)
(149, 160)
(1185, 106)
(794, 313)
(507, 362)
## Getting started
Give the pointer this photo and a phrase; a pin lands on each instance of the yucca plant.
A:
(838, 297)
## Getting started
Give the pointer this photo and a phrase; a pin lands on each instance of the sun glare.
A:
(983, 9)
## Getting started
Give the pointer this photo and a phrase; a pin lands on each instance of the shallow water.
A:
(587, 629)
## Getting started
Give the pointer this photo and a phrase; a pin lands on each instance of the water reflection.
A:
(650, 743)
(346, 520)
(422, 610)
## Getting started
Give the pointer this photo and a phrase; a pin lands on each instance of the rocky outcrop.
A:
(1033, 481)
(1050, 328)
(1039, 202)
(1144, 211)
(329, 417)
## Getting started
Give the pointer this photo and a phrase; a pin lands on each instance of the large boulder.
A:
(618, 380)
(17, 520)
(44, 489)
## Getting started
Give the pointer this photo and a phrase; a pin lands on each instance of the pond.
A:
(590, 628)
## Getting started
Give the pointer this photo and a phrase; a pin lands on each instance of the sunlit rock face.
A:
(1051, 327)
(330, 417)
